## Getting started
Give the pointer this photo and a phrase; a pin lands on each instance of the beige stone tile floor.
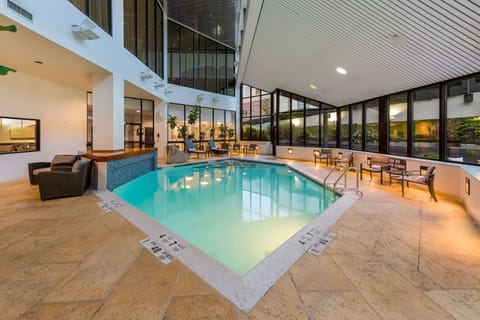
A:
(392, 258)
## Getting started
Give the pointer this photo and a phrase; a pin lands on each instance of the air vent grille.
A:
(24, 13)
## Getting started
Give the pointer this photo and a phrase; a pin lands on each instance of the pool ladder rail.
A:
(338, 185)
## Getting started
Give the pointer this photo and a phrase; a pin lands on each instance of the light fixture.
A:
(314, 87)
(84, 31)
(158, 85)
(341, 70)
(200, 97)
(215, 100)
(340, 155)
(316, 152)
(398, 40)
(467, 185)
(289, 150)
(369, 160)
(168, 91)
(146, 75)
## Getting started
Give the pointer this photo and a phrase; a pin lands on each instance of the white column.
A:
(108, 112)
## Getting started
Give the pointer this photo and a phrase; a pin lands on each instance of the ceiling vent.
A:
(24, 13)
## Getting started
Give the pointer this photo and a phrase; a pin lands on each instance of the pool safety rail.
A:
(341, 186)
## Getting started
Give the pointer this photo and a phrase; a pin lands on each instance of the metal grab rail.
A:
(343, 186)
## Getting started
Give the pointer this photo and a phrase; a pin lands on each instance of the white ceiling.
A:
(298, 43)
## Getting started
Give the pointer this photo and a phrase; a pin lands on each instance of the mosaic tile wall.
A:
(124, 170)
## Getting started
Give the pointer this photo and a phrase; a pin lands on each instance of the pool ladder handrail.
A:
(333, 186)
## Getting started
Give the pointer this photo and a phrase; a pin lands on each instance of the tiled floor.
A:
(393, 258)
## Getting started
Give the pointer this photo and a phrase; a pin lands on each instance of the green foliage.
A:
(11, 28)
(193, 115)
(468, 130)
(172, 121)
(182, 131)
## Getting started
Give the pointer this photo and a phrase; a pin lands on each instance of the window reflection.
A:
(463, 120)
(426, 107)
(398, 124)
(19, 135)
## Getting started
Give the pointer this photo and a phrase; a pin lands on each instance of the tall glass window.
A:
(426, 113)
(143, 32)
(298, 124)
(463, 120)
(256, 114)
(345, 127)
(284, 122)
(312, 123)
(398, 124)
(332, 129)
(138, 123)
(356, 138)
(214, 124)
(100, 11)
(199, 62)
(371, 125)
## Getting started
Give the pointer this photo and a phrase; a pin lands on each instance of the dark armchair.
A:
(58, 163)
(374, 164)
(58, 184)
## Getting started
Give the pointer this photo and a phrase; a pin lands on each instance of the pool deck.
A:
(392, 258)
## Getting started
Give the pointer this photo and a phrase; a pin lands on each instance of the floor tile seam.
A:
(304, 307)
(372, 306)
(52, 288)
(440, 306)
(114, 285)
(456, 298)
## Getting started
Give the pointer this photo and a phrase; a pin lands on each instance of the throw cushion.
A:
(62, 160)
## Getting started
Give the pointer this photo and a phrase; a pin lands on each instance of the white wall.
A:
(62, 113)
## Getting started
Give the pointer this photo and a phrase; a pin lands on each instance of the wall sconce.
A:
(200, 97)
(316, 152)
(215, 100)
(84, 31)
(423, 170)
(158, 85)
(146, 75)
(168, 91)
(289, 150)
(467, 185)
(340, 155)
(369, 160)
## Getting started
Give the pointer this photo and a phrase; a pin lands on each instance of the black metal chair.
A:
(322, 155)
(425, 176)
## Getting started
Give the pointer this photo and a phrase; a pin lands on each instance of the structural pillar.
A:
(108, 113)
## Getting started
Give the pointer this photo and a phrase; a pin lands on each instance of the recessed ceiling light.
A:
(399, 40)
(38, 62)
(341, 70)
(314, 87)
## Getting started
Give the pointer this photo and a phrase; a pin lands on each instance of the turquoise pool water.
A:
(235, 211)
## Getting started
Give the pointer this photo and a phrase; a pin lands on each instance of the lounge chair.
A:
(58, 163)
(252, 147)
(190, 148)
(425, 176)
(322, 154)
(344, 158)
(374, 164)
(236, 147)
(214, 149)
(59, 184)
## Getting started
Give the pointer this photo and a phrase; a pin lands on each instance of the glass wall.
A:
(256, 114)
(345, 127)
(312, 123)
(216, 124)
(332, 129)
(426, 115)
(398, 124)
(356, 138)
(143, 32)
(199, 62)
(138, 123)
(463, 120)
(100, 11)
(372, 110)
